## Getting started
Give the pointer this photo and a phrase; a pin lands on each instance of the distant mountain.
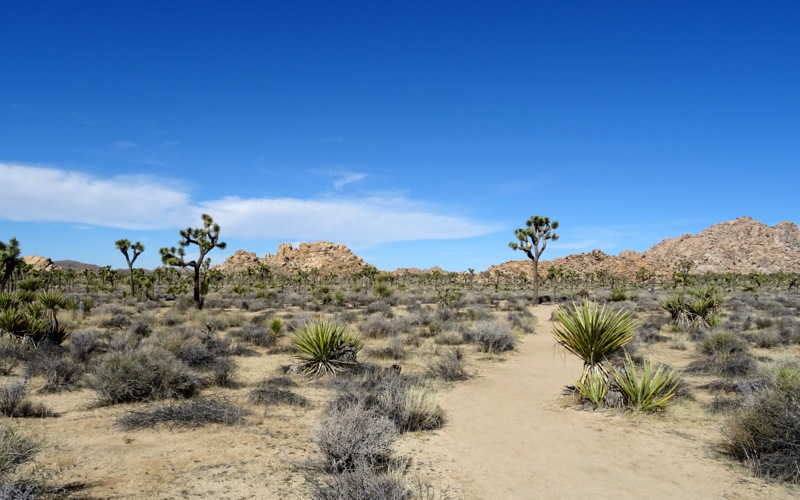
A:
(743, 245)
(74, 265)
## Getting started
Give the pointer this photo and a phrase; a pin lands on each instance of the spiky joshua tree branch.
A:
(125, 246)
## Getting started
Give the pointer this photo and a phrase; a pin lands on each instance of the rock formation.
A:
(39, 263)
(741, 246)
(327, 257)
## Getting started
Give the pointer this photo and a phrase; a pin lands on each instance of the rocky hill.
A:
(329, 258)
(742, 246)
(626, 264)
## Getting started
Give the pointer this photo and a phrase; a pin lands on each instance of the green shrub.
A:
(618, 295)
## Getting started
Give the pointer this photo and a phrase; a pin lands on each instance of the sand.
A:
(511, 437)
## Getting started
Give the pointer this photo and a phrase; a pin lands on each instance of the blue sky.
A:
(416, 133)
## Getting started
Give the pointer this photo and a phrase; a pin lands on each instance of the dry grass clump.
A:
(395, 350)
(193, 413)
(450, 366)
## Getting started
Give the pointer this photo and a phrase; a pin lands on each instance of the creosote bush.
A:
(353, 437)
(144, 374)
(765, 432)
(492, 336)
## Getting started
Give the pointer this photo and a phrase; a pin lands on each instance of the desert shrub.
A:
(394, 350)
(223, 372)
(142, 326)
(363, 484)
(492, 336)
(377, 326)
(618, 295)
(445, 314)
(14, 402)
(449, 366)
(380, 307)
(523, 320)
(449, 336)
(119, 320)
(256, 335)
(652, 389)
(320, 347)
(60, 373)
(82, 344)
(765, 432)
(353, 437)
(408, 403)
(144, 374)
(477, 314)
(726, 353)
(11, 353)
(15, 450)
(346, 317)
(274, 391)
(193, 413)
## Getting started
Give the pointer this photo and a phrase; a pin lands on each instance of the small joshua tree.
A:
(125, 245)
(533, 240)
(9, 260)
(206, 239)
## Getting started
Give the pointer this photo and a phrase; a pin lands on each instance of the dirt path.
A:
(508, 438)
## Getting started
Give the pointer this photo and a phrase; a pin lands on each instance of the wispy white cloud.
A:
(123, 145)
(49, 194)
(342, 176)
(55, 195)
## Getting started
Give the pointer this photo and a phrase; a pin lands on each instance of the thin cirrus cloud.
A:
(33, 193)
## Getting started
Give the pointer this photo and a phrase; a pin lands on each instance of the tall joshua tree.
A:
(533, 240)
(124, 246)
(9, 260)
(206, 239)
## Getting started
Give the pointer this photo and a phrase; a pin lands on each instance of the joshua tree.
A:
(206, 239)
(125, 245)
(533, 241)
(9, 260)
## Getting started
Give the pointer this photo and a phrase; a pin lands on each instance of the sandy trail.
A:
(508, 438)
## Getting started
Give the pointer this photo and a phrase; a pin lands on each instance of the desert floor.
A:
(510, 435)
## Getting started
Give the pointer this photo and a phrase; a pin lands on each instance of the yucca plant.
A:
(592, 333)
(698, 310)
(319, 345)
(653, 389)
(593, 389)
